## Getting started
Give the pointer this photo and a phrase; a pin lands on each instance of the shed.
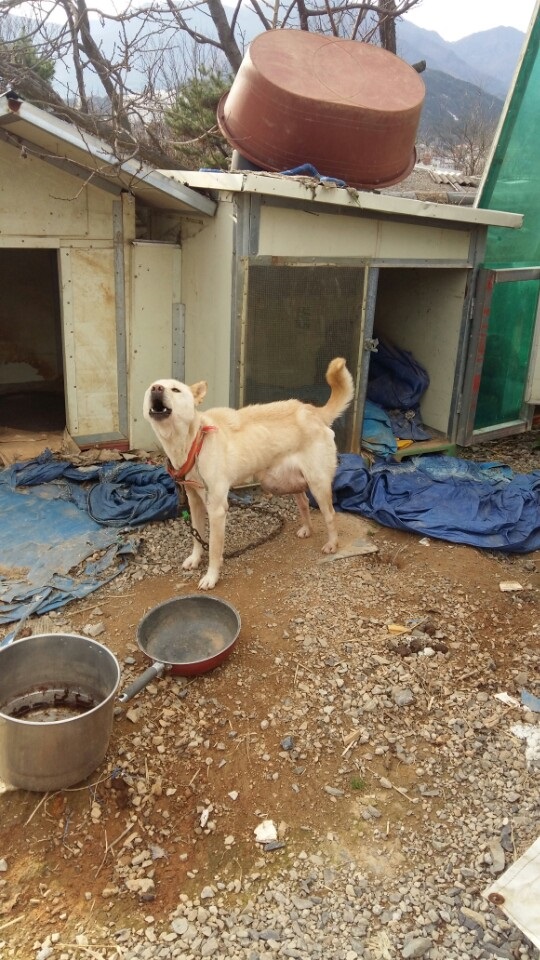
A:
(292, 271)
(114, 274)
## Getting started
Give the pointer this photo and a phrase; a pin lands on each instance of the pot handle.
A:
(156, 670)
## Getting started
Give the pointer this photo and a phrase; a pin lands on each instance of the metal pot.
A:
(57, 694)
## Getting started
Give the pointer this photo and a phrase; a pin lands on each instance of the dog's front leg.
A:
(198, 516)
(217, 507)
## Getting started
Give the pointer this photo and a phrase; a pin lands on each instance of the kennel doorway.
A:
(295, 317)
(426, 311)
(32, 393)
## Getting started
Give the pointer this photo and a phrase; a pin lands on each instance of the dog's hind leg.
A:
(323, 496)
(217, 507)
(302, 503)
(198, 517)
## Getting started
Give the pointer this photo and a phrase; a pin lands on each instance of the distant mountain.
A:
(495, 53)
(477, 69)
(449, 101)
(471, 59)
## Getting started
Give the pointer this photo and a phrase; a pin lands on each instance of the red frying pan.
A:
(186, 636)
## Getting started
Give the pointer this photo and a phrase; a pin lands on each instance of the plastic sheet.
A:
(483, 505)
(517, 893)
(57, 516)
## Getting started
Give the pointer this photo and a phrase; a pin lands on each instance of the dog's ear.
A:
(199, 391)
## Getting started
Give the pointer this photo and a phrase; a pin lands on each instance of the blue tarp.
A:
(480, 504)
(55, 516)
(377, 433)
(396, 385)
(396, 380)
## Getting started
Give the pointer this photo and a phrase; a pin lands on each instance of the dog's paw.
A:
(209, 581)
(191, 562)
(330, 547)
(303, 532)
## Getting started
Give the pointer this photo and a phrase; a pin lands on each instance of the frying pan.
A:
(186, 636)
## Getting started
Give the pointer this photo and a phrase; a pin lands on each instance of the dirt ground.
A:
(194, 765)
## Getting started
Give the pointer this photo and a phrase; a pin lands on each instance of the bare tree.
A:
(114, 71)
(466, 141)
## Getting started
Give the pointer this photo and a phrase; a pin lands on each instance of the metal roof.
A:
(291, 188)
(62, 144)
(84, 156)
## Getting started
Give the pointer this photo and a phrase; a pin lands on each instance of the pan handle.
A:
(156, 670)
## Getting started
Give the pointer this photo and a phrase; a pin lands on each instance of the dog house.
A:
(291, 272)
(77, 287)
(114, 274)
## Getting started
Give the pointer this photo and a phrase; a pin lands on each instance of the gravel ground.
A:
(378, 752)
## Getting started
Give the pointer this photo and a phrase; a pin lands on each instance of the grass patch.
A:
(357, 783)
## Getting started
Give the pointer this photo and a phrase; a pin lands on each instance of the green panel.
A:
(513, 184)
(513, 179)
(508, 348)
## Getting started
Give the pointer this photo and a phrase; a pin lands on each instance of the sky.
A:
(453, 19)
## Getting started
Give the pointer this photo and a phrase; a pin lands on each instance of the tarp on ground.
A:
(56, 517)
(480, 504)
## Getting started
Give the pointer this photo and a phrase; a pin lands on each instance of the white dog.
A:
(286, 446)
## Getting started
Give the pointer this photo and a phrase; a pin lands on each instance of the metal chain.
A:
(262, 508)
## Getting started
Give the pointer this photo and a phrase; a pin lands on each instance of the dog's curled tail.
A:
(341, 384)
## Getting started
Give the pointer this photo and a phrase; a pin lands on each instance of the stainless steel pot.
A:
(57, 695)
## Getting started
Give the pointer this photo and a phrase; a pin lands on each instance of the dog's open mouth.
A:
(158, 410)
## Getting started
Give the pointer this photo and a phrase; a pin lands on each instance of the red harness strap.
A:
(194, 451)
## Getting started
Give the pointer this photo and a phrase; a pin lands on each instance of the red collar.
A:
(194, 451)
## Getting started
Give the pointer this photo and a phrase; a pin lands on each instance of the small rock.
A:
(140, 885)
(44, 953)
(477, 918)
(402, 696)
(93, 629)
(209, 948)
(417, 947)
(497, 856)
(266, 831)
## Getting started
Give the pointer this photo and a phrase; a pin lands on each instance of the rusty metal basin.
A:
(348, 108)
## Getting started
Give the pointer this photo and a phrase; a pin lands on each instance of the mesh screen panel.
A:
(297, 319)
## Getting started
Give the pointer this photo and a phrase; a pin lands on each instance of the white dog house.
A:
(77, 287)
(114, 275)
(291, 272)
